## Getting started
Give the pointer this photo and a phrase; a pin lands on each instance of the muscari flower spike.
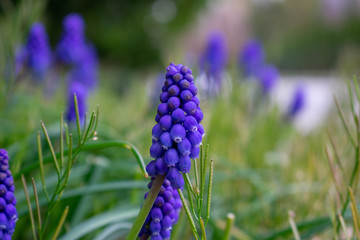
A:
(8, 214)
(178, 133)
(214, 60)
(36, 54)
(251, 57)
(268, 76)
(298, 102)
(176, 139)
(164, 213)
(81, 94)
(72, 46)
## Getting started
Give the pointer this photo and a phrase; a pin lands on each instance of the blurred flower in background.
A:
(251, 57)
(213, 63)
(268, 76)
(74, 51)
(36, 55)
(297, 102)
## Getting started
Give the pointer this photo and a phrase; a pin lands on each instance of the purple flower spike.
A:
(81, 95)
(251, 57)
(177, 133)
(268, 76)
(298, 102)
(172, 149)
(8, 213)
(36, 55)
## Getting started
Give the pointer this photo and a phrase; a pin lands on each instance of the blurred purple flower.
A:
(251, 57)
(81, 93)
(267, 76)
(214, 60)
(36, 54)
(298, 101)
(72, 46)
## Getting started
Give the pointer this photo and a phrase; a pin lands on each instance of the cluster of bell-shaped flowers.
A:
(74, 51)
(164, 213)
(8, 213)
(35, 56)
(178, 133)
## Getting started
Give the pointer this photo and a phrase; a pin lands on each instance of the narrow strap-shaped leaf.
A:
(51, 148)
(37, 204)
(30, 209)
(230, 218)
(41, 165)
(61, 223)
(208, 204)
(188, 214)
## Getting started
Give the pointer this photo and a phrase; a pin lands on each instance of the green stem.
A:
(229, 222)
(188, 214)
(144, 211)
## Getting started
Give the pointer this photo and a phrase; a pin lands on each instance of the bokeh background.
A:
(269, 158)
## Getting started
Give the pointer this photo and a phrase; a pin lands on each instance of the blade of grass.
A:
(188, 188)
(208, 204)
(61, 141)
(51, 148)
(188, 214)
(77, 118)
(30, 209)
(61, 223)
(344, 228)
(37, 204)
(345, 124)
(202, 226)
(41, 165)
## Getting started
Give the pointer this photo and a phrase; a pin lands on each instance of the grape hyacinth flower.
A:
(267, 76)
(251, 57)
(8, 214)
(298, 102)
(72, 46)
(164, 213)
(176, 136)
(213, 62)
(81, 94)
(36, 54)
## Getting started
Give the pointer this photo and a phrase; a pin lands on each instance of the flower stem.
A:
(144, 211)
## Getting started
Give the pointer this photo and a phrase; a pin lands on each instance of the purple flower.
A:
(267, 76)
(164, 213)
(214, 60)
(251, 57)
(72, 46)
(176, 135)
(298, 102)
(8, 213)
(36, 54)
(81, 93)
